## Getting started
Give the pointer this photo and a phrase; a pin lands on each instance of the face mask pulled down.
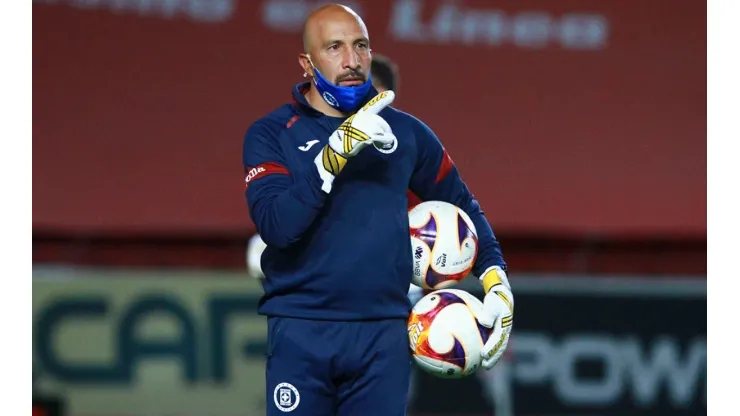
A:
(345, 99)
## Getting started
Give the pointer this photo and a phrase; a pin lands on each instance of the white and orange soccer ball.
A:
(444, 334)
(444, 244)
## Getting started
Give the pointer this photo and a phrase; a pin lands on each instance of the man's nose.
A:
(351, 60)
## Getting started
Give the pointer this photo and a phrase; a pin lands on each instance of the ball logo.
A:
(466, 260)
(415, 331)
(286, 397)
(330, 99)
(417, 253)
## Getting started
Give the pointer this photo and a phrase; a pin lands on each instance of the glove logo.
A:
(375, 100)
(286, 397)
(389, 148)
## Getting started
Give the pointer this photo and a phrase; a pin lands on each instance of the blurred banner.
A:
(583, 117)
(137, 343)
(591, 347)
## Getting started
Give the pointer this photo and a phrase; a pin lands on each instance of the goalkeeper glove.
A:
(498, 313)
(357, 132)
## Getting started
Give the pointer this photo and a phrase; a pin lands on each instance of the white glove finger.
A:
(488, 314)
(488, 363)
(493, 341)
(386, 139)
(388, 146)
(358, 147)
(379, 102)
(382, 141)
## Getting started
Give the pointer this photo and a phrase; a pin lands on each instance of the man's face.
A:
(340, 49)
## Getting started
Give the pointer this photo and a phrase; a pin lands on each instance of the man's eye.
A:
(333, 47)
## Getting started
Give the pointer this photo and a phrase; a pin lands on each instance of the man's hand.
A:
(364, 128)
(359, 131)
(498, 313)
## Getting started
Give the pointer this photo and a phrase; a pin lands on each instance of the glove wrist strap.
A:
(493, 276)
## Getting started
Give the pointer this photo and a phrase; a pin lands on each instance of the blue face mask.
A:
(344, 99)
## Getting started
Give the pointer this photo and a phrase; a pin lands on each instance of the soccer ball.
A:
(444, 244)
(445, 337)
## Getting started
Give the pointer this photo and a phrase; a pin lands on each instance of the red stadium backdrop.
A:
(566, 118)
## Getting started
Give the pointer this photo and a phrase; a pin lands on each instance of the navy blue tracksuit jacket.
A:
(345, 256)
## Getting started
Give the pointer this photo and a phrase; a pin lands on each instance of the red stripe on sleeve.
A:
(265, 169)
(445, 167)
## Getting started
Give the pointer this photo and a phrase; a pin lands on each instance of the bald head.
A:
(324, 18)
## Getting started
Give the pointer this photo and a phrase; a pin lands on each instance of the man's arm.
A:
(282, 204)
(436, 178)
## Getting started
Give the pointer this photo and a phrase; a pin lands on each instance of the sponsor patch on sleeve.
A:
(264, 169)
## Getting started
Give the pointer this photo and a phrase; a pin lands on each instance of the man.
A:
(384, 76)
(326, 181)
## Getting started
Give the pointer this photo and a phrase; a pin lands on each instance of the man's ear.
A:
(304, 61)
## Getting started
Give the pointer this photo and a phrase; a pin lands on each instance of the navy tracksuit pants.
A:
(331, 368)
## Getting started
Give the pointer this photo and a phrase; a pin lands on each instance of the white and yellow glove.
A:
(357, 132)
(498, 313)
